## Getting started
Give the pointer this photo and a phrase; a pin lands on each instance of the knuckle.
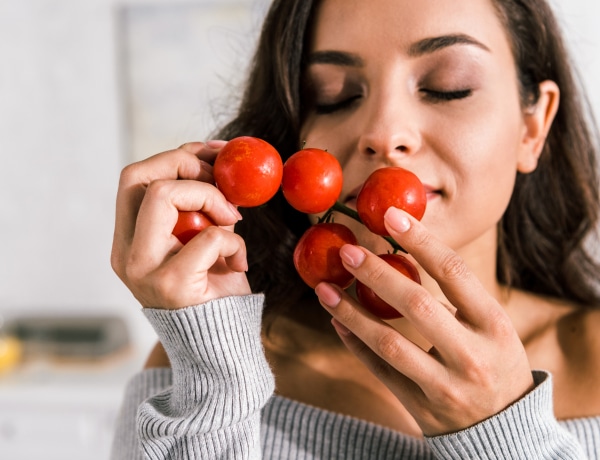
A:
(129, 173)
(447, 395)
(500, 325)
(376, 272)
(422, 304)
(453, 267)
(477, 370)
(213, 235)
(388, 346)
(158, 189)
(347, 316)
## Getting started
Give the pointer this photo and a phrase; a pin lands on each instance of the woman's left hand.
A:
(477, 365)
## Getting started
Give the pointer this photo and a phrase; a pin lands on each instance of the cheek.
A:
(479, 163)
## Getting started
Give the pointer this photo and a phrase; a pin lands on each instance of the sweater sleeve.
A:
(144, 385)
(527, 429)
(221, 381)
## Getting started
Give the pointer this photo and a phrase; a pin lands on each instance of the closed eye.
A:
(443, 96)
(323, 109)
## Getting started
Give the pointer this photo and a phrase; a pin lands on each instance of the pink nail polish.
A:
(397, 220)
(352, 255)
(215, 144)
(234, 211)
(328, 294)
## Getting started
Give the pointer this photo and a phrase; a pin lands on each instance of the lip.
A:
(431, 192)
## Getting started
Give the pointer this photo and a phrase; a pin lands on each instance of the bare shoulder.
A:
(577, 386)
(578, 333)
(563, 339)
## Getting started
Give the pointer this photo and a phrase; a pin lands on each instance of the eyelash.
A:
(445, 96)
(323, 109)
(436, 96)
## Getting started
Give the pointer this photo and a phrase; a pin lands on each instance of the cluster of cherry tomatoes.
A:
(249, 172)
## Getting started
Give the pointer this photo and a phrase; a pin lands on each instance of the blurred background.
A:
(86, 87)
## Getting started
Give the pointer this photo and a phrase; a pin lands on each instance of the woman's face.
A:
(426, 85)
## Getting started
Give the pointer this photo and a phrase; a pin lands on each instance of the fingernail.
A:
(215, 143)
(234, 211)
(397, 220)
(328, 294)
(352, 255)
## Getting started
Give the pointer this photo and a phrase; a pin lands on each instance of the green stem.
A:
(342, 208)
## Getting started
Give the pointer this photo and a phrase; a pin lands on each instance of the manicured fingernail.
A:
(234, 211)
(215, 143)
(397, 220)
(340, 328)
(328, 294)
(352, 255)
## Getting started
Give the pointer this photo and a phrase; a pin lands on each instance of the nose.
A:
(389, 132)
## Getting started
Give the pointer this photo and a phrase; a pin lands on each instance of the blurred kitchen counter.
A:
(63, 409)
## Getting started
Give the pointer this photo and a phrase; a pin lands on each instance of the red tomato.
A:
(189, 224)
(387, 187)
(312, 180)
(248, 171)
(372, 302)
(317, 254)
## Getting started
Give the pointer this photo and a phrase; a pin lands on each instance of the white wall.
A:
(63, 142)
(62, 145)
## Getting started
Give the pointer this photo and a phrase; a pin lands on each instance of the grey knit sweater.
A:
(217, 402)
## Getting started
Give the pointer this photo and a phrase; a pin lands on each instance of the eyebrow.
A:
(340, 58)
(420, 48)
(430, 45)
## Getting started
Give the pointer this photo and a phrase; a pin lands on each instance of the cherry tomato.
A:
(312, 180)
(317, 254)
(189, 224)
(248, 171)
(372, 302)
(388, 187)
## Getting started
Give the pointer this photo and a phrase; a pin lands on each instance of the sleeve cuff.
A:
(526, 429)
(215, 349)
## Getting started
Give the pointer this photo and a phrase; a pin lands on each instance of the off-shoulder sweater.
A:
(217, 401)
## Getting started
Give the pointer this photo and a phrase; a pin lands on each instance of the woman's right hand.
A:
(149, 259)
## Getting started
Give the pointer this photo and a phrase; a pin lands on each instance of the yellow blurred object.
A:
(10, 352)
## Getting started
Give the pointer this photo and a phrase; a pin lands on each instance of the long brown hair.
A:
(543, 233)
(542, 244)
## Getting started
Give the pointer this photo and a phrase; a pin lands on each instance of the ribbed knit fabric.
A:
(218, 403)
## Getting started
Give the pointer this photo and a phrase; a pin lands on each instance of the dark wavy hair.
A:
(542, 245)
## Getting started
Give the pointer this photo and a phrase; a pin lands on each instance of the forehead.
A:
(396, 24)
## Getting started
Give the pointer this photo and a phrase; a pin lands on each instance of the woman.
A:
(477, 98)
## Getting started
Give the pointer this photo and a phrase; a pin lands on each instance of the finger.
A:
(399, 352)
(182, 163)
(400, 385)
(460, 286)
(158, 213)
(205, 151)
(190, 267)
(430, 317)
(202, 252)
